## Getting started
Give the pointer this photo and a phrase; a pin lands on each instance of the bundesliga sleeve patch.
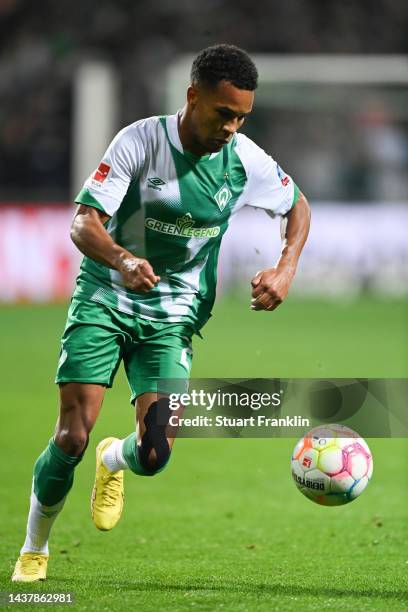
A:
(101, 172)
(284, 179)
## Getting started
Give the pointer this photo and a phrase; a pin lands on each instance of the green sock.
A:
(53, 474)
(131, 456)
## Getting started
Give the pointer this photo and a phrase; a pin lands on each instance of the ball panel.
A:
(341, 483)
(344, 442)
(345, 432)
(317, 482)
(358, 488)
(322, 437)
(365, 446)
(356, 464)
(298, 475)
(299, 448)
(330, 461)
(308, 459)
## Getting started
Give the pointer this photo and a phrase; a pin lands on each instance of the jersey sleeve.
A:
(268, 186)
(106, 187)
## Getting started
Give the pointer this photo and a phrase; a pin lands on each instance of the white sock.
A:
(113, 457)
(40, 521)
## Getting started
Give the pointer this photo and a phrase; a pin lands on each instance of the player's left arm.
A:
(270, 287)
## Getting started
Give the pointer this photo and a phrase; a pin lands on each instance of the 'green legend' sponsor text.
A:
(182, 227)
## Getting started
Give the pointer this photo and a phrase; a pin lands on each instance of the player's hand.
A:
(269, 288)
(137, 273)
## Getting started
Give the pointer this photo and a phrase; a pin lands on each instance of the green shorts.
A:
(157, 356)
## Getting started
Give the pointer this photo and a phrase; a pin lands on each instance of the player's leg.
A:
(90, 355)
(54, 469)
(145, 453)
(158, 367)
(54, 474)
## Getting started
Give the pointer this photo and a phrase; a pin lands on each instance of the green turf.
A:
(223, 527)
(309, 338)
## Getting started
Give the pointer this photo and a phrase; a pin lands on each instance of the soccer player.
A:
(150, 222)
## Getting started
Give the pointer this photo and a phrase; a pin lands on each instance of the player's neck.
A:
(186, 134)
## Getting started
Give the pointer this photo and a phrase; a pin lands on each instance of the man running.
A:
(150, 222)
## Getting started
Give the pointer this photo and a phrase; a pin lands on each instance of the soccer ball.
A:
(332, 465)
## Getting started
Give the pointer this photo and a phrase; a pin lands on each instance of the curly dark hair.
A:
(224, 63)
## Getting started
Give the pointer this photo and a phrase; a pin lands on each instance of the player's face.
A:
(217, 113)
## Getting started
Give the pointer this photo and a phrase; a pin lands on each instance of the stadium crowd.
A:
(42, 46)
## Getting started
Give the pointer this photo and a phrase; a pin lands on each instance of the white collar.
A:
(172, 131)
(172, 122)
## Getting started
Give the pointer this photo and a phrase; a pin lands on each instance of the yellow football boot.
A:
(30, 567)
(107, 494)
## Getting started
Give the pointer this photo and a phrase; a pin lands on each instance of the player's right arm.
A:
(90, 236)
(101, 197)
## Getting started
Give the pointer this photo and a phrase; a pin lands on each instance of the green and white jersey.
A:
(173, 208)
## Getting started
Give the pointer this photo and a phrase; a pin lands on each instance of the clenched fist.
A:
(137, 273)
(270, 287)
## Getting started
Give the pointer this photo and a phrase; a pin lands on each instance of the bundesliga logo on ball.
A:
(332, 465)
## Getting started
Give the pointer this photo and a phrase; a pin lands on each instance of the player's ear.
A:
(192, 95)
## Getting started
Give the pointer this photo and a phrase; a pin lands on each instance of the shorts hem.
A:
(84, 381)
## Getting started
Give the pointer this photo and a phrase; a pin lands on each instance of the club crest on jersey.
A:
(223, 196)
(184, 226)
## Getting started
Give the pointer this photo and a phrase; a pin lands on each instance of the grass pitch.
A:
(223, 528)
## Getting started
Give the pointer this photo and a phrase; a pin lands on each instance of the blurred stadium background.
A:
(332, 108)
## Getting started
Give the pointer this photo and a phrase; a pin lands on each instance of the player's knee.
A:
(74, 426)
(72, 442)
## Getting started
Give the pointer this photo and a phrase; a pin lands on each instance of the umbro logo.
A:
(155, 183)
